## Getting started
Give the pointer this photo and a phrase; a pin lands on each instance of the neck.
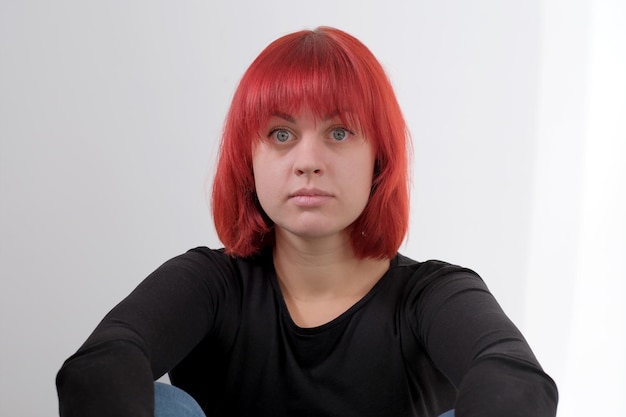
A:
(324, 268)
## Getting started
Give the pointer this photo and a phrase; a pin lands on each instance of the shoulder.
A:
(200, 256)
(430, 270)
(215, 263)
(203, 260)
(432, 283)
(200, 268)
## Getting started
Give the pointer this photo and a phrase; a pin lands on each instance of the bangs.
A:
(309, 72)
(330, 74)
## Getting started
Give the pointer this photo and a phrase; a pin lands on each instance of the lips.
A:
(309, 197)
(310, 192)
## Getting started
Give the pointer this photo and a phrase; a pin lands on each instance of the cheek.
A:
(264, 178)
(257, 165)
(368, 176)
(366, 165)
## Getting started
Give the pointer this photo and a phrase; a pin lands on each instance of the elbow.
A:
(499, 386)
(95, 376)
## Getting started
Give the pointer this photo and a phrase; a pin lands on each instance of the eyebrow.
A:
(285, 116)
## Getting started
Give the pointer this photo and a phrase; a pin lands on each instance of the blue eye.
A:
(281, 135)
(339, 134)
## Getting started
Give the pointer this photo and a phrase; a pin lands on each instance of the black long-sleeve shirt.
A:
(427, 338)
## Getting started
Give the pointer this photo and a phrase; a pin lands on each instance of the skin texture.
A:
(313, 179)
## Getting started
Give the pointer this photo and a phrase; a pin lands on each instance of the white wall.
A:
(110, 114)
(579, 227)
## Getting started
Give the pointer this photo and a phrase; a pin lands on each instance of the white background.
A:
(110, 112)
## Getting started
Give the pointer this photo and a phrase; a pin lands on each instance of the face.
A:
(313, 177)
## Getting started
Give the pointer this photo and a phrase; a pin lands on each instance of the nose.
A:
(309, 156)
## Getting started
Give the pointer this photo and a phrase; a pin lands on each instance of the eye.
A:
(339, 134)
(280, 135)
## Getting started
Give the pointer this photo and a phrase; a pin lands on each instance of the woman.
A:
(309, 309)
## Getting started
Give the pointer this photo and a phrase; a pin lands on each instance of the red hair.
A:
(327, 71)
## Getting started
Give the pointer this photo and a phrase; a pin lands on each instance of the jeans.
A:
(170, 401)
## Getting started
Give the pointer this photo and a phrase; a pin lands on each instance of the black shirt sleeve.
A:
(199, 296)
(145, 335)
(473, 342)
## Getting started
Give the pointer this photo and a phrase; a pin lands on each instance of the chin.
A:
(316, 232)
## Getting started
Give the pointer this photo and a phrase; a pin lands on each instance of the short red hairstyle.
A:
(328, 71)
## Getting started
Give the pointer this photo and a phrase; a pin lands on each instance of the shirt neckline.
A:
(273, 277)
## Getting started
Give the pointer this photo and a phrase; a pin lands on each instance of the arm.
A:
(142, 338)
(472, 341)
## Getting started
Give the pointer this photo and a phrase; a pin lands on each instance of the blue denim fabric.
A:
(170, 401)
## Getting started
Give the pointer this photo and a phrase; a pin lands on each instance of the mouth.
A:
(309, 197)
(310, 192)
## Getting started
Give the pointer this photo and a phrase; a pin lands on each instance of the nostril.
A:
(316, 171)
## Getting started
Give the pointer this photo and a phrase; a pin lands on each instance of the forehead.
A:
(324, 79)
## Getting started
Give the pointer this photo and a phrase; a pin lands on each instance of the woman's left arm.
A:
(481, 351)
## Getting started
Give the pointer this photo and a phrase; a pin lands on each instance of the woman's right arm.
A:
(143, 337)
